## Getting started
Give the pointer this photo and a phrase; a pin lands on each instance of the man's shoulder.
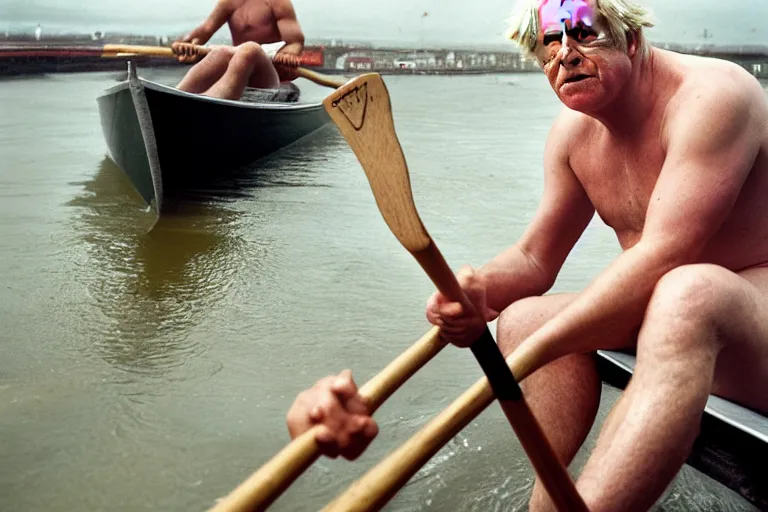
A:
(716, 102)
(280, 6)
(716, 84)
(569, 130)
(569, 124)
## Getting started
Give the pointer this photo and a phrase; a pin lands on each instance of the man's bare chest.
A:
(254, 21)
(620, 181)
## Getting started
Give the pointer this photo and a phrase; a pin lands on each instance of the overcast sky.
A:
(449, 21)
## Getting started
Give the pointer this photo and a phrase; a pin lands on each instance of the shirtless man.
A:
(671, 151)
(226, 71)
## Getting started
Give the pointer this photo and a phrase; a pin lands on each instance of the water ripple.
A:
(150, 289)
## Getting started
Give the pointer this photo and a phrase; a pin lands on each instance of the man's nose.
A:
(569, 58)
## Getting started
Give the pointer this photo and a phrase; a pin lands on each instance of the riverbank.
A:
(20, 55)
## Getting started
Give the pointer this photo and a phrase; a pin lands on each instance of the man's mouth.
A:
(576, 78)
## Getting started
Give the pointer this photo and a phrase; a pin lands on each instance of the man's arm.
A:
(530, 267)
(711, 150)
(288, 26)
(215, 20)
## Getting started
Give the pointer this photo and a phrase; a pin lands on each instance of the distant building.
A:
(405, 64)
(450, 59)
(421, 59)
(38, 32)
(355, 60)
(359, 63)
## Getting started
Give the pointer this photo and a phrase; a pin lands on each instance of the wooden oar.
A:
(125, 50)
(266, 484)
(320, 79)
(362, 111)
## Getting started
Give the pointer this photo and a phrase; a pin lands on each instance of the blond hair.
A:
(619, 17)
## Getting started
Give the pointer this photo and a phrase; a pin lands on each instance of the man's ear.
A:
(632, 44)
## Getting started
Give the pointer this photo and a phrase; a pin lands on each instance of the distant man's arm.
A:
(712, 147)
(215, 20)
(288, 26)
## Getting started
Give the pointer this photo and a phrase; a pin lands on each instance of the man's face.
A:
(585, 69)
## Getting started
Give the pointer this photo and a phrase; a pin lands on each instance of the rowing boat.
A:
(164, 139)
(732, 446)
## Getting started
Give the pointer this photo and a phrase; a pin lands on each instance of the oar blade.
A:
(362, 111)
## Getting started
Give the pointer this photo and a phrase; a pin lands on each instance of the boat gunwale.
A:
(726, 450)
(610, 357)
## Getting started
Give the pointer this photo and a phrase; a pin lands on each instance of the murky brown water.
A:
(153, 371)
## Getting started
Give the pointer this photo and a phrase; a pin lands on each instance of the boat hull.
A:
(732, 446)
(167, 140)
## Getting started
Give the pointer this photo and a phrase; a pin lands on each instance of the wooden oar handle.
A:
(155, 51)
(485, 349)
(373, 490)
(504, 383)
(433, 263)
(193, 51)
(264, 486)
(189, 50)
(320, 79)
(382, 482)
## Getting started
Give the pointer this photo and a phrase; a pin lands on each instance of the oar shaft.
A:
(163, 51)
(155, 51)
(502, 381)
(264, 486)
(432, 262)
(123, 50)
(377, 390)
(555, 477)
(320, 79)
(383, 481)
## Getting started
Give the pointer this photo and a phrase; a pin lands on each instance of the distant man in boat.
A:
(671, 151)
(255, 26)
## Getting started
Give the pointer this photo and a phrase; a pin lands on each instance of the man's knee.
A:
(693, 292)
(250, 52)
(525, 316)
(218, 55)
(689, 297)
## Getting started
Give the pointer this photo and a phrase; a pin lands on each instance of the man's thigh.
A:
(741, 373)
(523, 317)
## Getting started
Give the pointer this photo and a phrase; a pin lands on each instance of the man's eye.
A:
(582, 34)
(552, 37)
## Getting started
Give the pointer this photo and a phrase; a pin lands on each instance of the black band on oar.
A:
(500, 377)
